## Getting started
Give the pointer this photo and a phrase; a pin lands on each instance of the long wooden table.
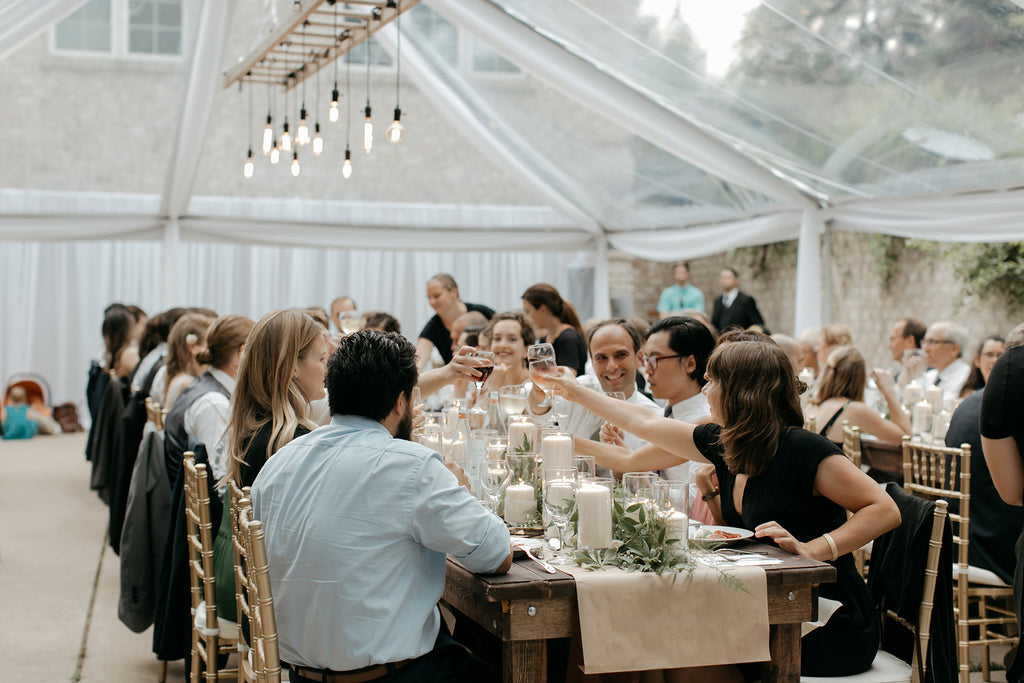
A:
(884, 459)
(528, 606)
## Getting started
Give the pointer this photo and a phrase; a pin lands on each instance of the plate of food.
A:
(719, 535)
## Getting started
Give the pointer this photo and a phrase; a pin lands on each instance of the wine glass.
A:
(544, 355)
(485, 370)
(560, 486)
(349, 325)
(621, 395)
(540, 372)
(512, 399)
(495, 478)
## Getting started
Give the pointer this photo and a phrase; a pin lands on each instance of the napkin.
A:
(632, 621)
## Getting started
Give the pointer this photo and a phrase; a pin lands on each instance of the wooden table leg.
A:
(784, 645)
(524, 661)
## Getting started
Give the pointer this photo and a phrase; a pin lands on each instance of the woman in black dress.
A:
(443, 297)
(790, 486)
(548, 311)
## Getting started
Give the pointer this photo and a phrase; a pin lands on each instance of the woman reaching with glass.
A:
(790, 486)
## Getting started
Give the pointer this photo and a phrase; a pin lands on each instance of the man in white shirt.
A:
(943, 345)
(614, 349)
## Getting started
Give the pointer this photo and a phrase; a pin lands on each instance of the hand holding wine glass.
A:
(542, 364)
(484, 368)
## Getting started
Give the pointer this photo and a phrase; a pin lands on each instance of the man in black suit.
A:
(733, 308)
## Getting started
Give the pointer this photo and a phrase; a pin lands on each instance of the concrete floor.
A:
(59, 581)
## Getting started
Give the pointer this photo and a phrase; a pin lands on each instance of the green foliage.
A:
(988, 270)
(886, 251)
(760, 258)
(643, 544)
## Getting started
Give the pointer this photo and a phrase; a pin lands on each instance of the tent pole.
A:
(172, 294)
(807, 308)
(602, 293)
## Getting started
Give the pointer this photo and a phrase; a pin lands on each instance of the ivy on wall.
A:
(986, 271)
(763, 257)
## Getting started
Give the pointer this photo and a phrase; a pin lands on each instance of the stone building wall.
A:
(922, 286)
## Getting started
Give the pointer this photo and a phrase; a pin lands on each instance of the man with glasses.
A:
(614, 347)
(943, 346)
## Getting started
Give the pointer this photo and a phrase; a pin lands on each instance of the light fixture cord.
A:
(252, 86)
(304, 55)
(367, 65)
(398, 52)
(335, 55)
(348, 91)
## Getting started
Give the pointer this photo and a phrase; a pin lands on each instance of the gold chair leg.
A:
(162, 671)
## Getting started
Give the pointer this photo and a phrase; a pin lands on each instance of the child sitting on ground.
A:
(20, 421)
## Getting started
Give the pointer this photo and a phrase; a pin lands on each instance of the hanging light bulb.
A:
(249, 167)
(346, 168)
(368, 132)
(302, 134)
(286, 137)
(318, 141)
(268, 135)
(296, 170)
(275, 154)
(396, 131)
(334, 111)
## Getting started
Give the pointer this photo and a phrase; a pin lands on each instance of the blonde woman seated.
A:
(840, 396)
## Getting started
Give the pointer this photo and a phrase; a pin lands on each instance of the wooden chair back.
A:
(263, 625)
(240, 501)
(851, 443)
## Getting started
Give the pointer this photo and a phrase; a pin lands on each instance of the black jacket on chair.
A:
(896, 580)
(743, 313)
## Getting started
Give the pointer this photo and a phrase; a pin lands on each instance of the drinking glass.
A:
(429, 435)
(672, 499)
(560, 486)
(586, 465)
(639, 485)
(350, 325)
(512, 399)
(417, 398)
(540, 372)
(497, 446)
(621, 395)
(485, 370)
(495, 476)
(544, 355)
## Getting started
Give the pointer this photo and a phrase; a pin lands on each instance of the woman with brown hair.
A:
(790, 486)
(548, 311)
(511, 334)
(187, 337)
(443, 296)
(840, 396)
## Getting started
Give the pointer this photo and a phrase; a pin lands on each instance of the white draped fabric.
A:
(20, 22)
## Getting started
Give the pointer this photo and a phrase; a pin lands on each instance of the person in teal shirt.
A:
(682, 295)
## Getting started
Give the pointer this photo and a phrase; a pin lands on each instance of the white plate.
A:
(527, 543)
(706, 530)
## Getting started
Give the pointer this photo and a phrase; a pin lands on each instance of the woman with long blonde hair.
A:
(282, 371)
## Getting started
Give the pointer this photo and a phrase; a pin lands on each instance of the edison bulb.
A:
(268, 136)
(346, 168)
(249, 167)
(275, 154)
(286, 139)
(302, 134)
(318, 141)
(332, 114)
(368, 133)
(296, 170)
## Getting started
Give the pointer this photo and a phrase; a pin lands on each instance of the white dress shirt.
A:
(207, 420)
(692, 409)
(951, 379)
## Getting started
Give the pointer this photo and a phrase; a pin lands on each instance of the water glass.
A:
(639, 486)
(586, 465)
(512, 399)
(495, 476)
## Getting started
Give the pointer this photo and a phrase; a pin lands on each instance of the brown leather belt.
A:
(369, 673)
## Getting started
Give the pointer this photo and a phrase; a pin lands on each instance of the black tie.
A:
(668, 411)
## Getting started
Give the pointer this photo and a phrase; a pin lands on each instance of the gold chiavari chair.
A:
(210, 636)
(851, 448)
(263, 625)
(936, 472)
(239, 502)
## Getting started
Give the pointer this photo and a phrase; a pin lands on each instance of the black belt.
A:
(367, 673)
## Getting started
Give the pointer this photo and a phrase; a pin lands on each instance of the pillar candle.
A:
(921, 418)
(518, 432)
(520, 503)
(594, 503)
(912, 394)
(556, 451)
(934, 396)
(678, 526)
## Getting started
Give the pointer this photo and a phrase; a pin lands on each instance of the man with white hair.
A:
(943, 345)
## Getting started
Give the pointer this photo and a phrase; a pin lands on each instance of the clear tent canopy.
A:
(663, 128)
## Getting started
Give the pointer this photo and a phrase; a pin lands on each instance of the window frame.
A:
(119, 39)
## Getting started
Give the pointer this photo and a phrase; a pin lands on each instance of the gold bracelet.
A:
(832, 546)
(710, 495)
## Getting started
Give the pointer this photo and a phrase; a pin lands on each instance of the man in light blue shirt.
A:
(682, 296)
(358, 521)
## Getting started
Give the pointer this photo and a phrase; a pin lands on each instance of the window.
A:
(123, 27)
